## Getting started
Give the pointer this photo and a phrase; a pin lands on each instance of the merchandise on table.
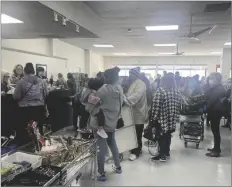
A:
(38, 177)
(20, 157)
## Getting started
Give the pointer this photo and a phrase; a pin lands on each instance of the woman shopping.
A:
(5, 82)
(30, 93)
(111, 99)
(215, 109)
(165, 114)
(17, 74)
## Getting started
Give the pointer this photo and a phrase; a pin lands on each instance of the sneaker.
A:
(162, 159)
(212, 149)
(101, 177)
(101, 132)
(213, 154)
(132, 157)
(167, 156)
(155, 158)
(118, 170)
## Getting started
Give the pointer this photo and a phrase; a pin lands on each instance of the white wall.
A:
(96, 64)
(226, 63)
(209, 61)
(41, 46)
(59, 56)
(75, 56)
(12, 58)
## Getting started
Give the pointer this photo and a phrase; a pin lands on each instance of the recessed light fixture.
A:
(164, 45)
(165, 53)
(119, 54)
(162, 28)
(215, 52)
(102, 45)
(5, 19)
(227, 43)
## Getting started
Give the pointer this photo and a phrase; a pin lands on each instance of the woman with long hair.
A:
(215, 110)
(5, 82)
(165, 114)
(17, 74)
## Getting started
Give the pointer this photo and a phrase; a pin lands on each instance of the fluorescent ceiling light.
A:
(227, 43)
(166, 53)
(215, 52)
(162, 28)
(101, 45)
(164, 45)
(119, 53)
(5, 19)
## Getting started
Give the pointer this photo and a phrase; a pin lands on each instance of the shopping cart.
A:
(191, 125)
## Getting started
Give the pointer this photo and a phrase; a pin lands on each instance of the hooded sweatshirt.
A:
(111, 99)
(31, 91)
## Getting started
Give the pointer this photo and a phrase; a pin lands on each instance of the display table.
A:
(72, 171)
(59, 104)
(9, 114)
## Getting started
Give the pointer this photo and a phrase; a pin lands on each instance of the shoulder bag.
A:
(120, 122)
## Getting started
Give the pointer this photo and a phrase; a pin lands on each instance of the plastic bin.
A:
(34, 160)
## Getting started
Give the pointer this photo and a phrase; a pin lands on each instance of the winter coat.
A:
(137, 99)
(165, 109)
(111, 99)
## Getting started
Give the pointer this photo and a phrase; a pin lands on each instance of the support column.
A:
(87, 61)
(226, 63)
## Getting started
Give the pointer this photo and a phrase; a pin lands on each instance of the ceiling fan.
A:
(193, 35)
(177, 51)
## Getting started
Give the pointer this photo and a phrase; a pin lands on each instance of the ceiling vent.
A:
(219, 7)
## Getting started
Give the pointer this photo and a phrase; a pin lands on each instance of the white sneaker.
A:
(102, 133)
(132, 157)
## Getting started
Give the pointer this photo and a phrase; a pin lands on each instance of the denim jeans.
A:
(102, 146)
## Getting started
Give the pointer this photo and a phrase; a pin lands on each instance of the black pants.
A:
(164, 144)
(26, 114)
(139, 133)
(75, 107)
(84, 117)
(215, 127)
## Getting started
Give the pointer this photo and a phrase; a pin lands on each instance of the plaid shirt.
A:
(166, 108)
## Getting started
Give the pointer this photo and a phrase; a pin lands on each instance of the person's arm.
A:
(139, 91)
(18, 91)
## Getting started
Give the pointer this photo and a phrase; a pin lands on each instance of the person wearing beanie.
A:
(137, 99)
(111, 100)
(30, 93)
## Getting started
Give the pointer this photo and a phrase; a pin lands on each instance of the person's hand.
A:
(3, 93)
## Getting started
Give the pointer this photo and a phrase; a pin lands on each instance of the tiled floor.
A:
(187, 166)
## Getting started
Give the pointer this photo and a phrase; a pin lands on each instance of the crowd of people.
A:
(99, 101)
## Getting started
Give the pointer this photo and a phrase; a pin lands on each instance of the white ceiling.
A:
(117, 17)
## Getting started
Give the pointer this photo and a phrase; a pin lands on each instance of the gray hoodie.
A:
(31, 91)
(111, 99)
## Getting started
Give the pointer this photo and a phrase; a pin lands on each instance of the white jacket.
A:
(137, 99)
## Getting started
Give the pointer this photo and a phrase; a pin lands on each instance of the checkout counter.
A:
(58, 103)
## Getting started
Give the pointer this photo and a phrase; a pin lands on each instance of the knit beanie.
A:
(135, 71)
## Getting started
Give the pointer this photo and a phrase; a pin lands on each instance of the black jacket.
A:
(215, 106)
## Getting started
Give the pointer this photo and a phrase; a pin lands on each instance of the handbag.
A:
(120, 122)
